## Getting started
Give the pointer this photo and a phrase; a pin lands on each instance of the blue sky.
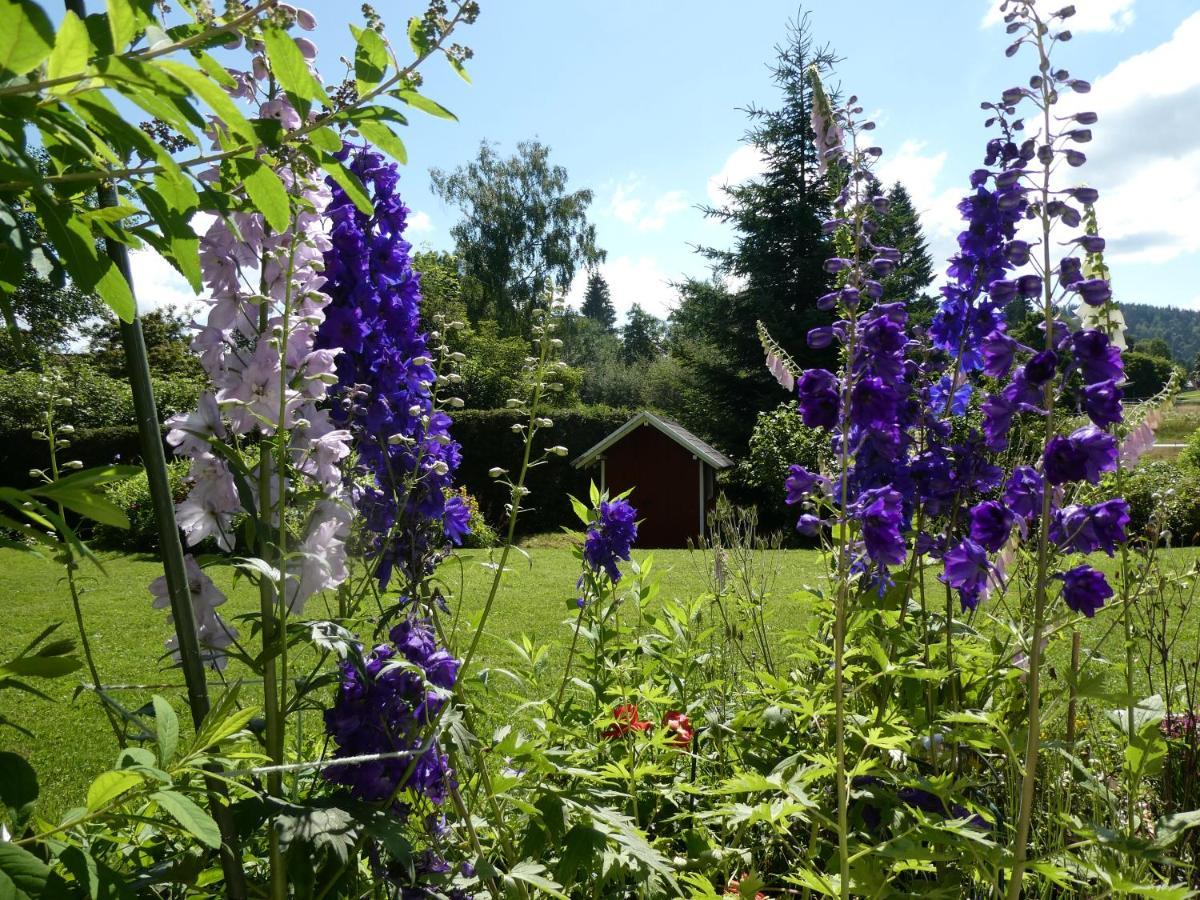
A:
(640, 101)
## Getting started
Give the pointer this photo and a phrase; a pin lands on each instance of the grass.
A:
(73, 740)
(536, 599)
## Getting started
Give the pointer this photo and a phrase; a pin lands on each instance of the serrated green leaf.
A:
(290, 67)
(423, 103)
(533, 874)
(265, 191)
(108, 786)
(384, 138)
(418, 39)
(191, 817)
(349, 183)
(325, 138)
(26, 36)
(22, 875)
(370, 59)
(72, 47)
(166, 728)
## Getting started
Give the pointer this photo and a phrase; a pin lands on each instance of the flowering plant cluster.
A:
(387, 380)
(386, 702)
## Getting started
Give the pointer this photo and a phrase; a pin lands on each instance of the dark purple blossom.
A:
(1086, 529)
(384, 378)
(1102, 402)
(386, 704)
(1084, 590)
(991, 524)
(610, 537)
(966, 569)
(819, 401)
(1023, 492)
(880, 513)
(1086, 454)
(1097, 357)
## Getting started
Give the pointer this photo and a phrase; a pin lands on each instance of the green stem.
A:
(1033, 736)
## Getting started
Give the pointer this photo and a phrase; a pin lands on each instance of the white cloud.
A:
(742, 165)
(1090, 15)
(919, 170)
(626, 206)
(1145, 159)
(157, 284)
(631, 280)
(419, 222)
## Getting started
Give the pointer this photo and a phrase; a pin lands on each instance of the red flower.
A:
(680, 727)
(734, 887)
(626, 720)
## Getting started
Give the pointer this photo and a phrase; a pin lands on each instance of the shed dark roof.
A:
(673, 430)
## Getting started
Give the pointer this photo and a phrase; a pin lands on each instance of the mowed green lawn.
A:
(73, 739)
(536, 599)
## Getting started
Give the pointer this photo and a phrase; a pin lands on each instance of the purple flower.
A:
(1086, 529)
(384, 377)
(1085, 454)
(819, 401)
(880, 513)
(385, 707)
(1023, 492)
(1102, 401)
(1096, 356)
(1042, 367)
(966, 569)
(1084, 590)
(610, 537)
(998, 351)
(991, 524)
(1094, 291)
(800, 483)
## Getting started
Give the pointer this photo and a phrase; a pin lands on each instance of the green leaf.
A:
(349, 183)
(265, 191)
(166, 727)
(212, 94)
(86, 501)
(531, 873)
(325, 138)
(1169, 828)
(26, 36)
(22, 875)
(72, 48)
(40, 667)
(423, 103)
(370, 59)
(18, 782)
(93, 477)
(125, 21)
(418, 38)
(191, 817)
(108, 786)
(383, 137)
(457, 66)
(290, 67)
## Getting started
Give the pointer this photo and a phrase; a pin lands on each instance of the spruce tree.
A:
(776, 264)
(900, 227)
(597, 302)
(642, 336)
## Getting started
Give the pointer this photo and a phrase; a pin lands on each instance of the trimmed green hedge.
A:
(486, 436)
(488, 440)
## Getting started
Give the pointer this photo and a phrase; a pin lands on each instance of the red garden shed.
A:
(672, 472)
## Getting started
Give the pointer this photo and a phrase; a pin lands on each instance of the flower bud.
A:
(557, 450)
(496, 472)
(73, 464)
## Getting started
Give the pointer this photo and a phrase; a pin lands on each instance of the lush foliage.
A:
(972, 489)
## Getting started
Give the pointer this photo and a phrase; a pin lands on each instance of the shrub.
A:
(133, 497)
(482, 534)
(1165, 495)
(1189, 457)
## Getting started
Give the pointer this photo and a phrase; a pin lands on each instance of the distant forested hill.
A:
(1180, 328)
